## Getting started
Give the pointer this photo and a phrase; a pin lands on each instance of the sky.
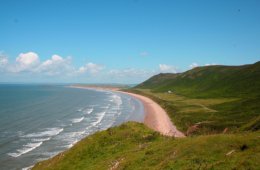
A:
(123, 41)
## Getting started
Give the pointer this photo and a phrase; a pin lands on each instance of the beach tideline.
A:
(155, 116)
(39, 121)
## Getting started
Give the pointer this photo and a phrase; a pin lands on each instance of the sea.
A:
(39, 121)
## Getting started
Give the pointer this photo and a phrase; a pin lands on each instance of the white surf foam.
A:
(27, 148)
(71, 144)
(48, 132)
(80, 110)
(40, 139)
(70, 135)
(99, 118)
(70, 141)
(77, 120)
(88, 111)
(41, 159)
(79, 133)
(116, 99)
(70, 138)
(28, 168)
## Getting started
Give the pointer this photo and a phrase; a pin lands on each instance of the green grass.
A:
(211, 81)
(212, 114)
(214, 99)
(133, 146)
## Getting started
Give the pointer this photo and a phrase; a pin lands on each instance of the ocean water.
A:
(39, 121)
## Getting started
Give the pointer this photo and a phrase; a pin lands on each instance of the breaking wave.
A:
(77, 120)
(27, 148)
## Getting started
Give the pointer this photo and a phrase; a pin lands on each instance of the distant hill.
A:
(209, 81)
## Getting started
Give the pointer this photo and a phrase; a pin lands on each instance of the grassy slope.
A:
(133, 146)
(218, 96)
(209, 81)
(212, 114)
(215, 97)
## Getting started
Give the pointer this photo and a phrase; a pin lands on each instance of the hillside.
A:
(133, 146)
(218, 107)
(212, 98)
(209, 81)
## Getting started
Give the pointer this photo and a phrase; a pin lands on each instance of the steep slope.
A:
(133, 146)
(209, 81)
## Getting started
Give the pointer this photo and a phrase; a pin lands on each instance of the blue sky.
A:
(123, 41)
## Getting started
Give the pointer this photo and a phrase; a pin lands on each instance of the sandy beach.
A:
(156, 117)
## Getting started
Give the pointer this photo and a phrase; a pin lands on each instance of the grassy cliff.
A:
(133, 146)
(218, 107)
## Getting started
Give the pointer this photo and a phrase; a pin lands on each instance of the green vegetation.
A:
(217, 106)
(209, 115)
(133, 146)
(211, 98)
(209, 81)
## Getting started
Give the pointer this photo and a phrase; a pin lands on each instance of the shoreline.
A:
(155, 118)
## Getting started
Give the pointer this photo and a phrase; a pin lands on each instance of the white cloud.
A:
(54, 61)
(144, 54)
(56, 65)
(25, 62)
(211, 64)
(134, 75)
(27, 59)
(193, 65)
(167, 68)
(90, 68)
(129, 75)
(3, 60)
